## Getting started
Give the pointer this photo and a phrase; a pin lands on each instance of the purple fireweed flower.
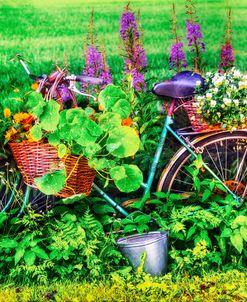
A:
(96, 66)
(138, 81)
(177, 56)
(128, 25)
(226, 57)
(94, 62)
(194, 36)
(134, 57)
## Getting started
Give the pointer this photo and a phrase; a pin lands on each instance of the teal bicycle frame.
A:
(147, 186)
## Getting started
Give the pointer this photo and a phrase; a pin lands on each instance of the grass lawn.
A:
(46, 32)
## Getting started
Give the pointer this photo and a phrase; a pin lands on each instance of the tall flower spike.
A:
(177, 58)
(227, 53)
(194, 35)
(96, 65)
(134, 54)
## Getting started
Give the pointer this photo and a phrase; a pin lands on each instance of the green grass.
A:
(46, 32)
(213, 287)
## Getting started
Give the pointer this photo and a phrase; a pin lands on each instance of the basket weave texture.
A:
(196, 120)
(37, 159)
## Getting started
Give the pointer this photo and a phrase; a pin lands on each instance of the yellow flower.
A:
(12, 131)
(18, 117)
(6, 112)
(35, 86)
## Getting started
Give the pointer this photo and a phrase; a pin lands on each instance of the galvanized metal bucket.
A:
(153, 245)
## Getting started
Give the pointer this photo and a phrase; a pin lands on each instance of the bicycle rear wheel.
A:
(226, 155)
(16, 196)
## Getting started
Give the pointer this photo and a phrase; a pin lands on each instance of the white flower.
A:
(215, 90)
(227, 101)
(208, 96)
(213, 103)
(236, 102)
(236, 74)
(208, 74)
(242, 85)
(198, 83)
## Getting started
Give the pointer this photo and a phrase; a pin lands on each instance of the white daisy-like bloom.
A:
(242, 84)
(213, 103)
(227, 101)
(236, 74)
(209, 96)
(236, 102)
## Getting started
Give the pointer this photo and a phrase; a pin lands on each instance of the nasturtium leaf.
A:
(35, 104)
(52, 182)
(89, 111)
(110, 121)
(93, 128)
(76, 149)
(122, 107)
(109, 96)
(72, 199)
(36, 133)
(88, 133)
(50, 117)
(91, 150)
(53, 138)
(75, 115)
(61, 150)
(127, 178)
(29, 257)
(101, 163)
(126, 140)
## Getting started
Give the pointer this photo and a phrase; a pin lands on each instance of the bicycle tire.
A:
(173, 175)
(16, 196)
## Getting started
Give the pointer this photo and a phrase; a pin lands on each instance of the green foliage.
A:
(123, 286)
(52, 182)
(58, 246)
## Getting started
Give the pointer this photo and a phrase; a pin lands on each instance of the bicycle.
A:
(223, 153)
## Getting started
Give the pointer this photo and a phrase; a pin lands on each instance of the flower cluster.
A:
(226, 52)
(134, 57)
(96, 65)
(194, 36)
(177, 58)
(225, 100)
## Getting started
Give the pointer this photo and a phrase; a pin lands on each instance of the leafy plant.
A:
(224, 101)
(100, 137)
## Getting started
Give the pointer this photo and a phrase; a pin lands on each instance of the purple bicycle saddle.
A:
(182, 85)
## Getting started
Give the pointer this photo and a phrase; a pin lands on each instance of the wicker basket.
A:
(196, 120)
(36, 159)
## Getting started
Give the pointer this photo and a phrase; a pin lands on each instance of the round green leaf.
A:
(35, 104)
(110, 95)
(62, 150)
(123, 108)
(36, 133)
(108, 121)
(50, 117)
(123, 142)
(52, 182)
(127, 178)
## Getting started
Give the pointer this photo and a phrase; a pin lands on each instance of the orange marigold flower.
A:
(12, 131)
(127, 122)
(6, 112)
(19, 117)
(35, 85)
